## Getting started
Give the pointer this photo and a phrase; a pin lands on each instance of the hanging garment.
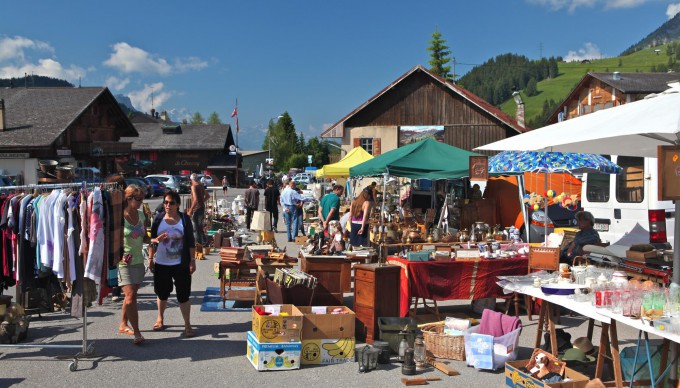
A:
(95, 254)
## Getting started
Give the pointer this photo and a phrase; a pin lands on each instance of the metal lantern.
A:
(368, 358)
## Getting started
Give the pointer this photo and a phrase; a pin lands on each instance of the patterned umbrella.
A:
(508, 162)
(515, 162)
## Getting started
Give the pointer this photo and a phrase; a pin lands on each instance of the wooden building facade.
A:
(421, 98)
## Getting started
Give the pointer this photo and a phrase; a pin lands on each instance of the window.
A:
(630, 183)
(367, 144)
(597, 187)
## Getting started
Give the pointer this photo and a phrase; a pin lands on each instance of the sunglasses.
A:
(138, 199)
(169, 203)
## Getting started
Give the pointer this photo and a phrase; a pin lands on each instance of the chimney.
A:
(519, 116)
(616, 76)
(2, 115)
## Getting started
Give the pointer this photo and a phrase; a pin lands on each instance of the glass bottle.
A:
(419, 352)
(403, 345)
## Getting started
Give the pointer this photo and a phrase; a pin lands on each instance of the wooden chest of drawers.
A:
(376, 294)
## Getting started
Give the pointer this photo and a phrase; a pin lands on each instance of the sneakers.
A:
(115, 298)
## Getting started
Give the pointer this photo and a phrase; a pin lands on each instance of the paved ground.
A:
(216, 357)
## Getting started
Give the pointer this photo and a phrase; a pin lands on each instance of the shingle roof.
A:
(192, 137)
(638, 82)
(35, 117)
(473, 98)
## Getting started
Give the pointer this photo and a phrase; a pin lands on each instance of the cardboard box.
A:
(327, 325)
(301, 240)
(514, 377)
(640, 256)
(270, 328)
(273, 356)
(327, 351)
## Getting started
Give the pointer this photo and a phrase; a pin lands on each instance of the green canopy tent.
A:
(426, 159)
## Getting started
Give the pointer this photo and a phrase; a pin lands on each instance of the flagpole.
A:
(235, 114)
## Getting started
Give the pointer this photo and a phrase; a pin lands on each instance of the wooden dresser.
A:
(376, 294)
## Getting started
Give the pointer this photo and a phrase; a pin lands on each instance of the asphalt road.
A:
(216, 356)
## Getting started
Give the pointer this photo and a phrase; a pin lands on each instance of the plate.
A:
(560, 289)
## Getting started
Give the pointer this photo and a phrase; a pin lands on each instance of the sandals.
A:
(158, 327)
(126, 330)
(138, 340)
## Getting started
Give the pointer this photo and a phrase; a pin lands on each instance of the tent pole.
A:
(382, 213)
(545, 201)
(525, 213)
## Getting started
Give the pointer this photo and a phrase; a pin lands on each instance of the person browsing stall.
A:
(225, 185)
(172, 242)
(329, 207)
(131, 267)
(586, 235)
(289, 201)
(359, 213)
(271, 203)
(252, 201)
(197, 210)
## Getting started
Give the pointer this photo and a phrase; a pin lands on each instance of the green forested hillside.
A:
(556, 89)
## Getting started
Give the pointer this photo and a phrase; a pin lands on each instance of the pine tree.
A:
(439, 52)
(531, 89)
(197, 118)
(214, 119)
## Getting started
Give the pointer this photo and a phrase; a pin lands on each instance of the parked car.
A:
(141, 182)
(5, 181)
(170, 181)
(184, 184)
(303, 178)
(157, 187)
(205, 179)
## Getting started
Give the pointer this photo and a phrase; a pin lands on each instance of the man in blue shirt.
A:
(289, 200)
(586, 235)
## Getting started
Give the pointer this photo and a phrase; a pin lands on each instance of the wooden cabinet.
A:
(334, 278)
(376, 294)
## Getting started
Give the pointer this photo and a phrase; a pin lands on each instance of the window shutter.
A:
(356, 142)
(376, 146)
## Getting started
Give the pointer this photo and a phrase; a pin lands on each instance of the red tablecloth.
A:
(454, 279)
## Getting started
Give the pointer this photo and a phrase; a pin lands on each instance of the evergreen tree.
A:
(531, 88)
(620, 62)
(439, 54)
(214, 119)
(197, 118)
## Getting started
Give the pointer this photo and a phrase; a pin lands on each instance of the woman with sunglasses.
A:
(172, 241)
(131, 267)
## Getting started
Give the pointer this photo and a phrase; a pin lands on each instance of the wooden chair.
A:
(540, 258)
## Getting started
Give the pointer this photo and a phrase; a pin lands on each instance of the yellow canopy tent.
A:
(341, 169)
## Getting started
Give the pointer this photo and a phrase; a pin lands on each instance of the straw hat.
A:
(584, 344)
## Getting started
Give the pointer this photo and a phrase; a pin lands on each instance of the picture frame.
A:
(479, 168)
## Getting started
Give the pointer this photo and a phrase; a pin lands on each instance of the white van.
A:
(626, 207)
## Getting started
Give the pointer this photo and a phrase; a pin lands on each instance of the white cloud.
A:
(672, 10)
(128, 59)
(589, 51)
(142, 99)
(191, 63)
(14, 49)
(572, 5)
(46, 67)
(116, 83)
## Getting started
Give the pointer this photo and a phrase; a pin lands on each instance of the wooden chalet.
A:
(421, 98)
(597, 91)
(77, 126)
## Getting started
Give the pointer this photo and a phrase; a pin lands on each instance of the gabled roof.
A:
(189, 137)
(466, 94)
(638, 83)
(629, 83)
(35, 117)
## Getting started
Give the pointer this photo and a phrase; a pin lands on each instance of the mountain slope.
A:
(668, 32)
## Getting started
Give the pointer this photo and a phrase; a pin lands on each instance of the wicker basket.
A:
(442, 345)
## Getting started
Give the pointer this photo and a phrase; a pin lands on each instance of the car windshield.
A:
(5, 181)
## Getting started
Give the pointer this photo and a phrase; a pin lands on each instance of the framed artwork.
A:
(479, 168)
(669, 172)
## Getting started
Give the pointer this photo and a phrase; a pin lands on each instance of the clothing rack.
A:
(86, 350)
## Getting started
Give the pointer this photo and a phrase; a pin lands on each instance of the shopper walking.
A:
(289, 201)
(197, 210)
(359, 213)
(172, 242)
(251, 202)
(225, 185)
(329, 207)
(131, 267)
(271, 203)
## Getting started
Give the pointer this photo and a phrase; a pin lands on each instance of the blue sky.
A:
(318, 60)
